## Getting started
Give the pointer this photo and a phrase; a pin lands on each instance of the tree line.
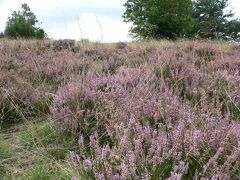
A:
(172, 19)
(151, 19)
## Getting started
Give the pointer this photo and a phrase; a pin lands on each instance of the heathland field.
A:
(143, 110)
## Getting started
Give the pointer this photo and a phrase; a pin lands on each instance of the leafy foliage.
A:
(158, 19)
(233, 30)
(211, 19)
(181, 18)
(23, 24)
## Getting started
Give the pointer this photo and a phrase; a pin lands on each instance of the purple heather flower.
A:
(87, 164)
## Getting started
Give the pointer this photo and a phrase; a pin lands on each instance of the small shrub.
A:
(66, 44)
(162, 170)
(121, 45)
(11, 112)
(23, 24)
(206, 54)
(96, 54)
(234, 112)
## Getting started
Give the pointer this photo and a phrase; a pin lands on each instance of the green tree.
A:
(211, 19)
(23, 24)
(233, 30)
(1, 35)
(159, 18)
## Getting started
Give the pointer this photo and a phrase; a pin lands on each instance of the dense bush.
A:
(23, 24)
(173, 19)
(159, 19)
(59, 45)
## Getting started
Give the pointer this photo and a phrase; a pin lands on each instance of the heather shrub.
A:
(162, 118)
(156, 110)
(234, 111)
(65, 44)
(121, 45)
(97, 54)
(139, 119)
(9, 115)
(80, 115)
(11, 107)
(18, 104)
(205, 54)
(112, 65)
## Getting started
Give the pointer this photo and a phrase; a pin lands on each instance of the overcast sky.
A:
(97, 20)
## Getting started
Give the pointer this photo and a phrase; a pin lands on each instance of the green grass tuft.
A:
(7, 154)
(45, 170)
(45, 136)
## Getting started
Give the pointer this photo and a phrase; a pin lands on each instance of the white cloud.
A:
(95, 28)
(235, 5)
(93, 19)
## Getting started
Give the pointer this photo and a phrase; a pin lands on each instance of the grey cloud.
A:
(70, 13)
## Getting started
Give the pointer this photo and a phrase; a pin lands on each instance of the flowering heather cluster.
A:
(157, 110)
(170, 114)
